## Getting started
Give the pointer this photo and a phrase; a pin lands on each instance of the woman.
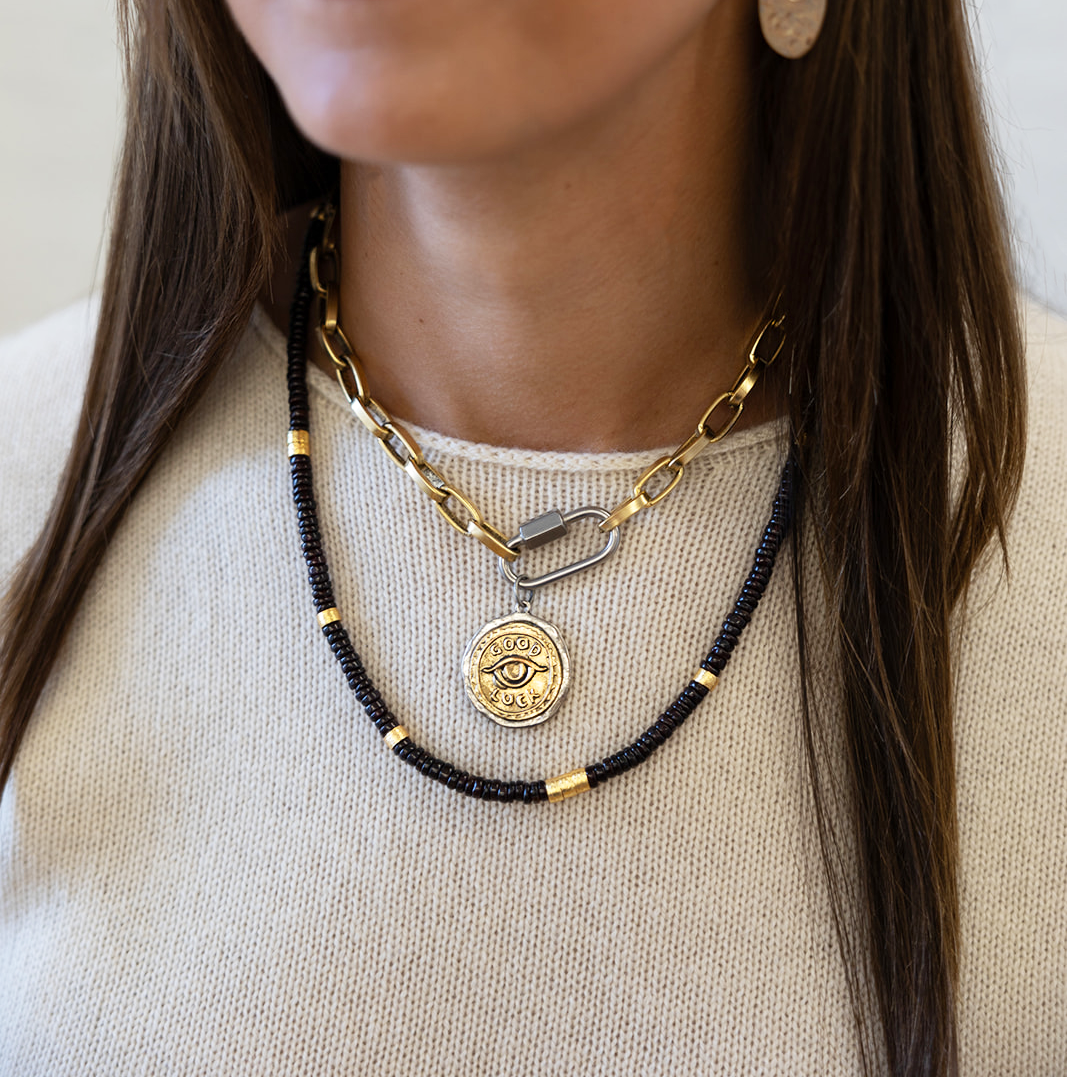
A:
(561, 228)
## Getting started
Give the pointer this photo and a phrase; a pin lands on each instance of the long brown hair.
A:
(881, 226)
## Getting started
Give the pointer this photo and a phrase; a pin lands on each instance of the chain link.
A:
(705, 434)
(402, 448)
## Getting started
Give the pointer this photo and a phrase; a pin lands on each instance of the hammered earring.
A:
(790, 27)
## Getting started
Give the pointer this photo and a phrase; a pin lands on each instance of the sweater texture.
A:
(210, 864)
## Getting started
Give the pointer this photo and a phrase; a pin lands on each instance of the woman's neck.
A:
(589, 292)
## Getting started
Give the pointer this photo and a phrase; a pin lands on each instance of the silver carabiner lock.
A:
(548, 528)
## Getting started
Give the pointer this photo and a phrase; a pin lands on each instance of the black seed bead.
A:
(680, 720)
(680, 708)
(456, 779)
(633, 756)
(694, 694)
(663, 729)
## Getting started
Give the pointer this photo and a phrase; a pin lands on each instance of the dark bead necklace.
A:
(392, 732)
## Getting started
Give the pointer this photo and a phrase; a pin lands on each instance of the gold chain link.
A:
(704, 434)
(404, 450)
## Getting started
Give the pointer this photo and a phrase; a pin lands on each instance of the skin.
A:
(541, 205)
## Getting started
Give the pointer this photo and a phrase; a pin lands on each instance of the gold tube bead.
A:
(299, 442)
(327, 617)
(567, 785)
(395, 736)
(706, 678)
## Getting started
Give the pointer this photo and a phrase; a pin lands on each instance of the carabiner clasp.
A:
(548, 528)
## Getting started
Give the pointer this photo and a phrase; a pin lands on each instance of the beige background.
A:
(60, 110)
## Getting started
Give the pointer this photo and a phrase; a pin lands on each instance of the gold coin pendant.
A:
(516, 670)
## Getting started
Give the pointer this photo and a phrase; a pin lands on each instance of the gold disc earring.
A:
(790, 27)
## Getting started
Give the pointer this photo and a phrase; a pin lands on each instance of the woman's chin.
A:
(402, 120)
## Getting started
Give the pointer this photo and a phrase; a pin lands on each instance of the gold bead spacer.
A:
(327, 617)
(706, 678)
(395, 736)
(567, 785)
(299, 442)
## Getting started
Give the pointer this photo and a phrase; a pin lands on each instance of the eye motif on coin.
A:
(516, 670)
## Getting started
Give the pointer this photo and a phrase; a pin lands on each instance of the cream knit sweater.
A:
(209, 863)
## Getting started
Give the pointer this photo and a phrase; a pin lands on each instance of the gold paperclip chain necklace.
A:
(516, 670)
